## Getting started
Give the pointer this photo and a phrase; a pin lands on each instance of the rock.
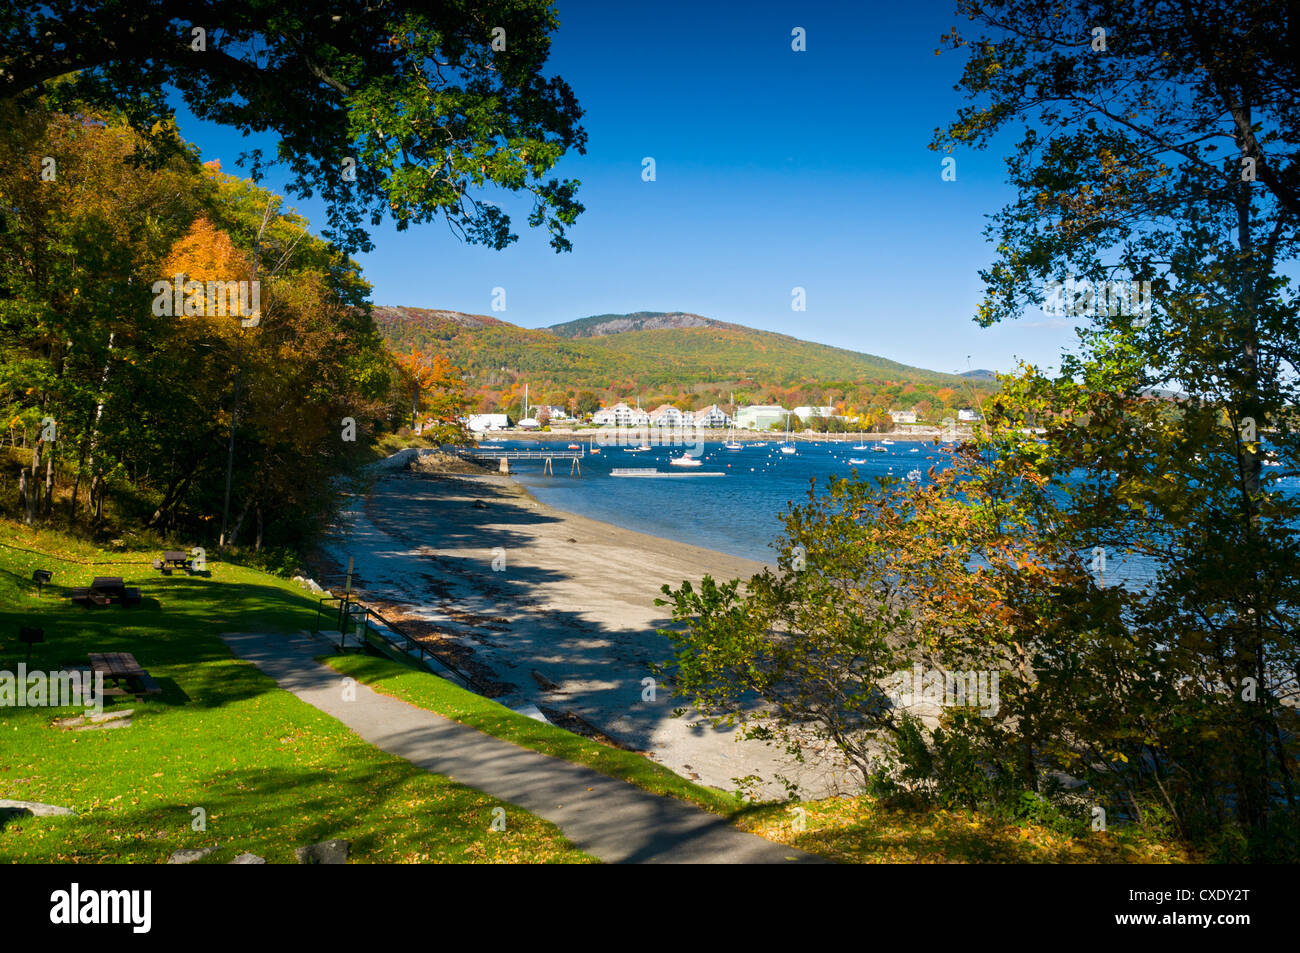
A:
(15, 809)
(89, 722)
(120, 723)
(248, 859)
(480, 505)
(188, 856)
(326, 852)
(544, 682)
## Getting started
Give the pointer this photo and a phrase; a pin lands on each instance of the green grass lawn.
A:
(270, 772)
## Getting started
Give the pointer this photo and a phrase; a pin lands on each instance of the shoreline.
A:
(618, 436)
(556, 610)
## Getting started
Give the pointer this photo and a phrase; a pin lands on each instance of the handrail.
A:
(350, 607)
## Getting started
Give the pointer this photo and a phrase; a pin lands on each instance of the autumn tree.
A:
(438, 391)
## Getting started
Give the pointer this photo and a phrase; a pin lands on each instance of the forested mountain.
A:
(665, 357)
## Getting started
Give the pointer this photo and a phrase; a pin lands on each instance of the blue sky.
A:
(775, 169)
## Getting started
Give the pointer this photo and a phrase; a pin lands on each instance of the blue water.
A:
(736, 514)
(739, 513)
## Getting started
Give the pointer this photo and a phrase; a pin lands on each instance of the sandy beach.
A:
(565, 622)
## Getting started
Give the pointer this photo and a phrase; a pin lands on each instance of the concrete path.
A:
(607, 818)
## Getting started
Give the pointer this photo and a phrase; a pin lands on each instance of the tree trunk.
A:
(33, 492)
(22, 496)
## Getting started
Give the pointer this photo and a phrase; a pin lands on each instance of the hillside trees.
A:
(142, 398)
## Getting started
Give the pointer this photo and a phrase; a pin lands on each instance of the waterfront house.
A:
(620, 415)
(761, 416)
(482, 423)
(903, 416)
(666, 415)
(712, 416)
(803, 413)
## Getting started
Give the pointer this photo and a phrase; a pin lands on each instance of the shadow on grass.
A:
(389, 811)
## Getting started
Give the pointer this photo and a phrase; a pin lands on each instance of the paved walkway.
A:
(605, 817)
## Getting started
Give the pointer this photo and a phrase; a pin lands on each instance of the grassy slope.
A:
(271, 772)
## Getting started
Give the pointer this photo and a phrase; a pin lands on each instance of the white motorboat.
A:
(856, 461)
(685, 461)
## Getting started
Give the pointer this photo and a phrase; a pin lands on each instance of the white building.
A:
(803, 413)
(761, 416)
(966, 415)
(620, 415)
(903, 416)
(712, 416)
(666, 415)
(482, 423)
(555, 413)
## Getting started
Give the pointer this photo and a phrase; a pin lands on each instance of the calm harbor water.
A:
(738, 513)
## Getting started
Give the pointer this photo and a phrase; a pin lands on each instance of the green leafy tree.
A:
(1166, 152)
(409, 109)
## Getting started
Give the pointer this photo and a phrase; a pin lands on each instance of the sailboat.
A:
(859, 445)
(731, 443)
(787, 446)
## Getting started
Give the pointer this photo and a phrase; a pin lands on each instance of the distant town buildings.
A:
(712, 416)
(666, 415)
(621, 415)
(761, 416)
(903, 416)
(966, 415)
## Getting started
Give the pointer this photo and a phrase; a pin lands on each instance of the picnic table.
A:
(119, 667)
(105, 590)
(109, 586)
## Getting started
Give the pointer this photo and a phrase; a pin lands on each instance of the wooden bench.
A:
(89, 596)
(147, 685)
(104, 592)
(121, 667)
